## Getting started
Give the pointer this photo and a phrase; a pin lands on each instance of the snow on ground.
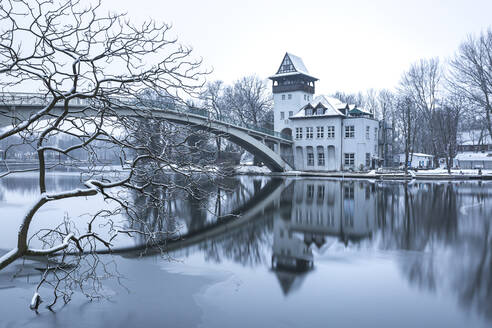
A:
(441, 170)
(251, 169)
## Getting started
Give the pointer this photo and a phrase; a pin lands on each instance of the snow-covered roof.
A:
(416, 154)
(332, 105)
(358, 110)
(298, 63)
(292, 65)
(472, 156)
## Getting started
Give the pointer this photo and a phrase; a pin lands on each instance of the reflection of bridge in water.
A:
(256, 207)
(297, 213)
(271, 147)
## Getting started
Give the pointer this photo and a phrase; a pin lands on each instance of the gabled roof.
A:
(296, 62)
(292, 65)
(359, 111)
(333, 107)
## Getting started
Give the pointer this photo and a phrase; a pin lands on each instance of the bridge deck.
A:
(269, 146)
(31, 100)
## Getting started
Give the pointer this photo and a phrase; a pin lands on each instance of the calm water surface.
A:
(303, 253)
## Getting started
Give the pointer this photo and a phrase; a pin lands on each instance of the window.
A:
(368, 159)
(348, 192)
(282, 116)
(321, 159)
(289, 96)
(319, 111)
(310, 158)
(298, 133)
(310, 191)
(304, 97)
(375, 149)
(291, 113)
(330, 132)
(376, 134)
(283, 97)
(309, 111)
(349, 159)
(320, 132)
(321, 193)
(309, 132)
(349, 131)
(367, 132)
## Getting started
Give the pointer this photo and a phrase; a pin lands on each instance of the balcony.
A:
(293, 87)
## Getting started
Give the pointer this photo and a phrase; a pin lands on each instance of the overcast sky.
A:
(350, 45)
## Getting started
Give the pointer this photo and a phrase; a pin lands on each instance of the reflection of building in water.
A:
(324, 208)
(319, 209)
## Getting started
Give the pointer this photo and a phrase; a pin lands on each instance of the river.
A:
(303, 253)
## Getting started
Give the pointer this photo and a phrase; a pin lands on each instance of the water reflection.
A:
(438, 233)
(442, 230)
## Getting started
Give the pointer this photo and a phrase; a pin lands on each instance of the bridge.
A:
(264, 202)
(272, 148)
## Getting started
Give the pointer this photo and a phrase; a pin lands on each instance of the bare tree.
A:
(407, 123)
(350, 98)
(93, 73)
(471, 73)
(371, 102)
(214, 101)
(421, 84)
(447, 119)
(386, 104)
(250, 101)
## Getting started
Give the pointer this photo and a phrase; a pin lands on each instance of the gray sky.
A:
(349, 45)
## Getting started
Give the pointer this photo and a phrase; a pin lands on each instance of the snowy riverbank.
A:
(437, 174)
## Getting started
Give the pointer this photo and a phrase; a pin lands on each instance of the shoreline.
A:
(372, 175)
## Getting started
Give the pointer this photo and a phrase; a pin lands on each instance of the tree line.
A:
(436, 99)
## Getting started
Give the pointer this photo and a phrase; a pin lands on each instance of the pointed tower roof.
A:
(292, 65)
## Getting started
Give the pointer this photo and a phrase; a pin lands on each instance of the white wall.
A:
(294, 104)
(315, 141)
(359, 145)
(417, 160)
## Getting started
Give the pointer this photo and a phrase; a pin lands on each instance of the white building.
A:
(416, 160)
(328, 134)
(472, 160)
(474, 141)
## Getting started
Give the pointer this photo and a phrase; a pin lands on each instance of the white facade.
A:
(328, 135)
(472, 160)
(417, 160)
(286, 105)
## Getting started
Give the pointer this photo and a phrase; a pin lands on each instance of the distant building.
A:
(472, 160)
(474, 141)
(416, 160)
(328, 134)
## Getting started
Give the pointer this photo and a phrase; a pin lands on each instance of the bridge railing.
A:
(231, 121)
(38, 99)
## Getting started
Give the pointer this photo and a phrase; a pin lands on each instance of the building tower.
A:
(293, 88)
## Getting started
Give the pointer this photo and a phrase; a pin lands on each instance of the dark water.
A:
(303, 253)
